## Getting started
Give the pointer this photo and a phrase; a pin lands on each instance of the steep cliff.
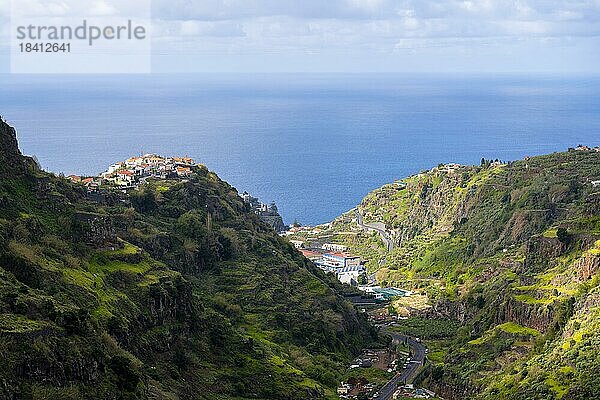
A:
(11, 159)
(175, 291)
(511, 252)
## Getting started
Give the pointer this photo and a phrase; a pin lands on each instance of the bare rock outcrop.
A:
(587, 266)
(11, 159)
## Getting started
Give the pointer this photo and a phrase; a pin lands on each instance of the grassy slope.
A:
(501, 249)
(149, 297)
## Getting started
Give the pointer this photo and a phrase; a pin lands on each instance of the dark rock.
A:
(11, 159)
(540, 250)
(97, 230)
(536, 316)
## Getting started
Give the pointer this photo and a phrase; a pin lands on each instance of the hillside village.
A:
(136, 171)
(335, 258)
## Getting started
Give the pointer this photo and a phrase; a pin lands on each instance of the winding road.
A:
(372, 227)
(417, 348)
(410, 372)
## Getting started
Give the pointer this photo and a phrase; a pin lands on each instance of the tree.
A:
(143, 201)
(563, 235)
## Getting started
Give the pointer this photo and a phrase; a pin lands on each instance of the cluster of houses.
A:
(447, 168)
(359, 387)
(346, 267)
(333, 258)
(136, 170)
(581, 147)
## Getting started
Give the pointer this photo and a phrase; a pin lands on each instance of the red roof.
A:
(309, 253)
(127, 173)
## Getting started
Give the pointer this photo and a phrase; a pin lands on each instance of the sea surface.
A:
(315, 144)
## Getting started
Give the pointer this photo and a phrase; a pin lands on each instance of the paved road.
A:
(417, 360)
(384, 236)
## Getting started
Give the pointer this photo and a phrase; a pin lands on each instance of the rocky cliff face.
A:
(587, 266)
(8, 141)
(536, 316)
(11, 159)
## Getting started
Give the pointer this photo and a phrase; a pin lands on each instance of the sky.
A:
(444, 36)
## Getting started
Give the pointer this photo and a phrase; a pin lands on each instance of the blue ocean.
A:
(314, 144)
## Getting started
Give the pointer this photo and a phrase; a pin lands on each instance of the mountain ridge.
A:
(174, 291)
(504, 258)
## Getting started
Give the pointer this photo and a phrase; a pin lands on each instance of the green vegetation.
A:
(176, 290)
(12, 323)
(372, 375)
(507, 257)
(427, 328)
(507, 328)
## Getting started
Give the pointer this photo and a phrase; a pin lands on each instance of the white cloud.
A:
(76, 8)
(363, 29)
(211, 28)
(450, 16)
(357, 27)
(102, 8)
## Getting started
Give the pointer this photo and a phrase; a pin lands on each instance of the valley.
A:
(502, 261)
(484, 278)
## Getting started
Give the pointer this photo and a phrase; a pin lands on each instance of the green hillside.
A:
(510, 254)
(177, 291)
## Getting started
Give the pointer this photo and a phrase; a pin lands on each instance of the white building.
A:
(334, 247)
(344, 389)
(340, 260)
(349, 275)
(134, 161)
(114, 167)
(299, 244)
(371, 289)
